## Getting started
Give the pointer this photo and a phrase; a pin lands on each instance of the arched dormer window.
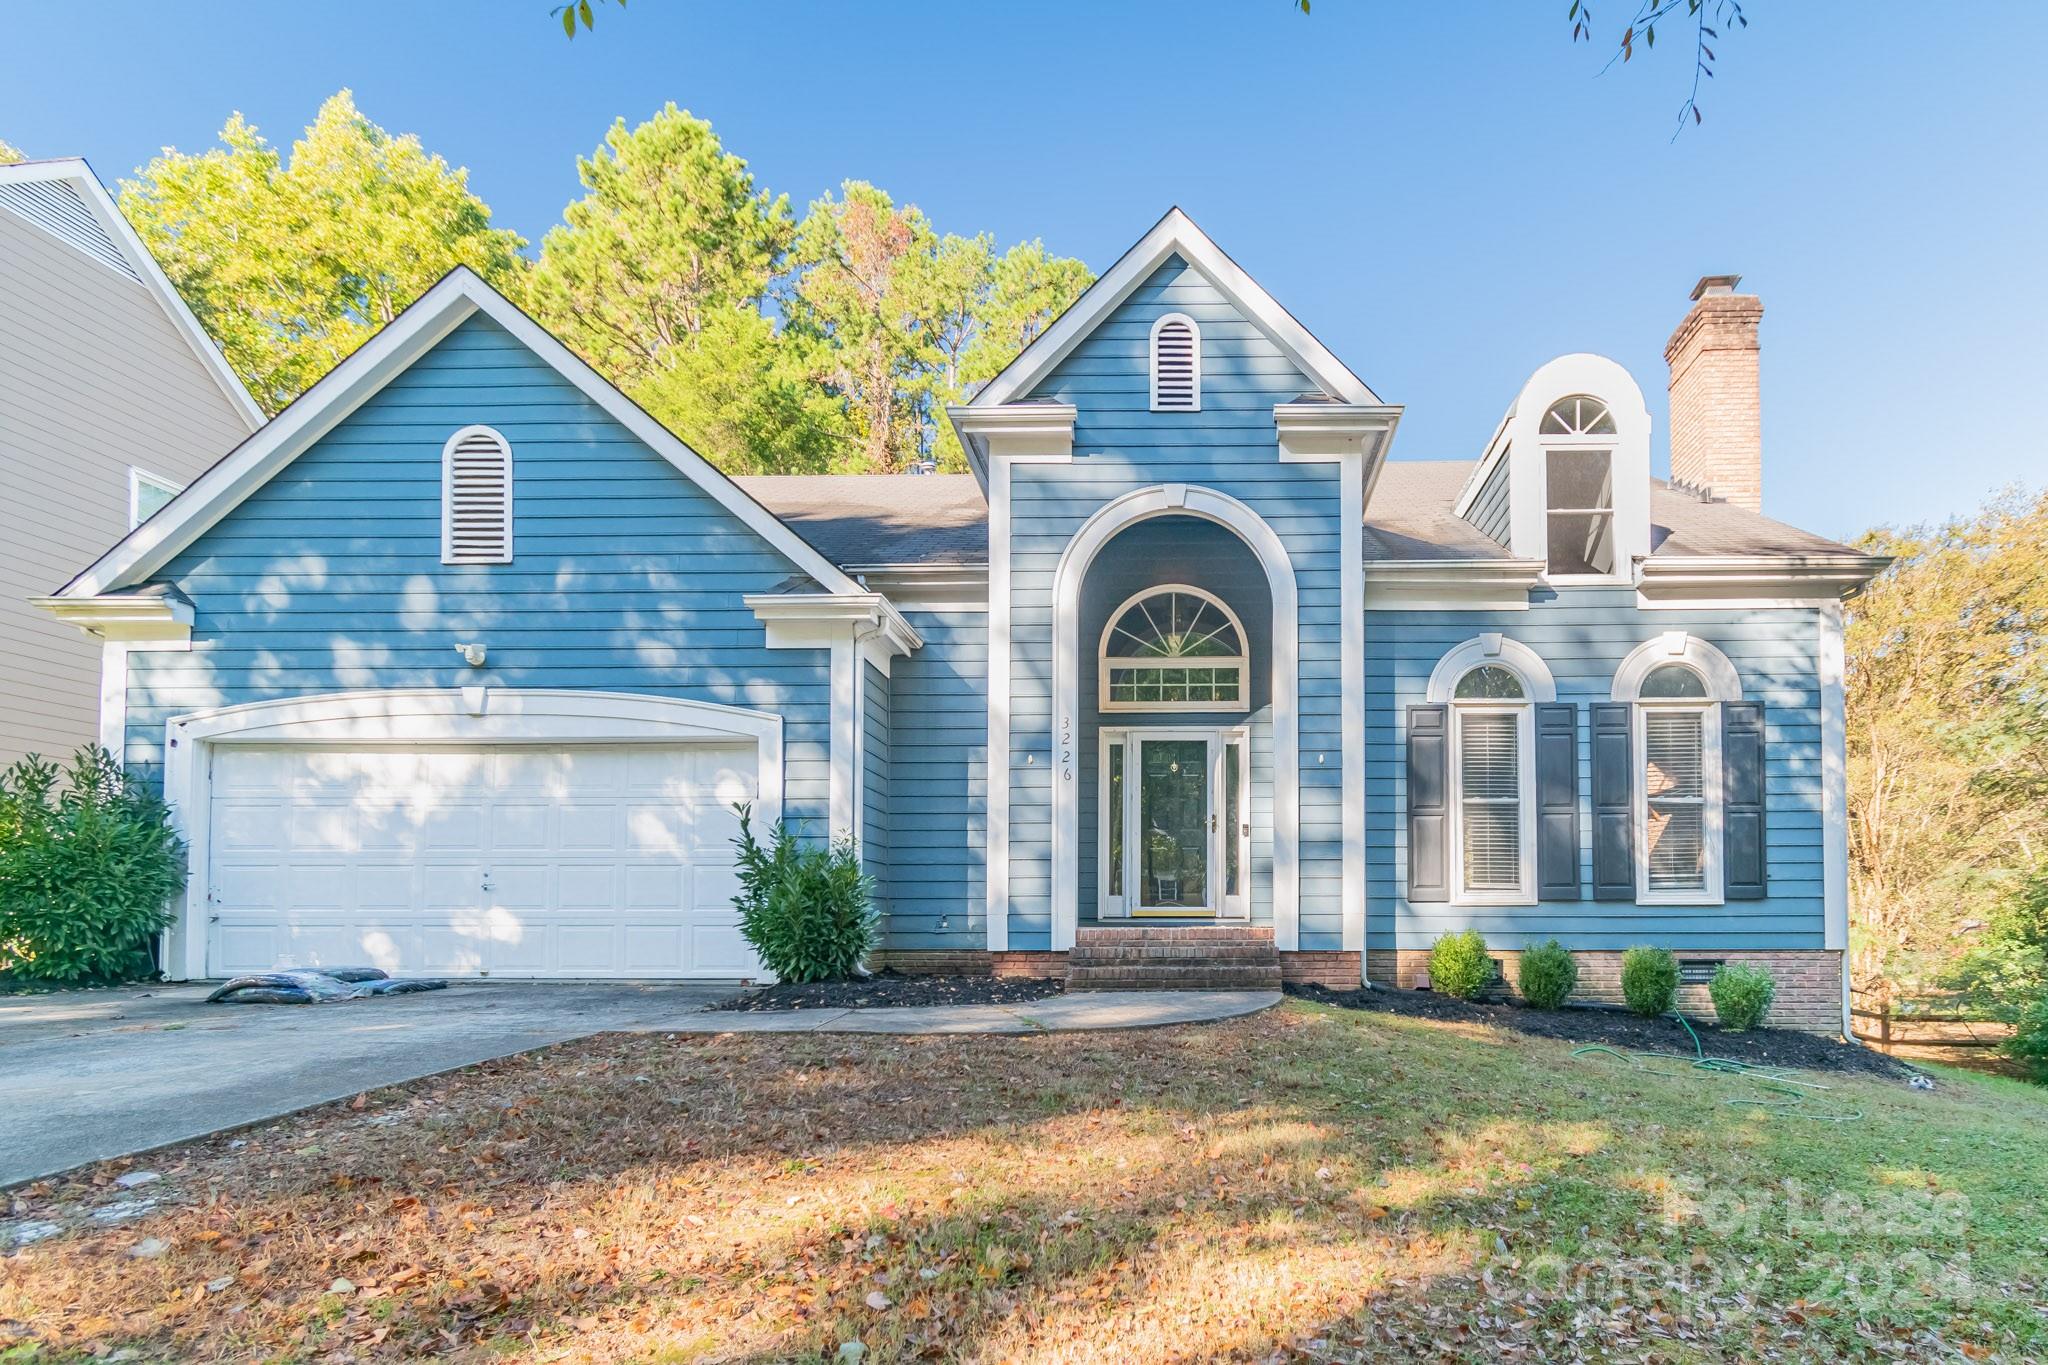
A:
(1176, 364)
(1579, 415)
(1696, 760)
(1491, 685)
(1578, 438)
(476, 498)
(1174, 648)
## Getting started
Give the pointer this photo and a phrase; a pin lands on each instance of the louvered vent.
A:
(1490, 788)
(1176, 366)
(476, 499)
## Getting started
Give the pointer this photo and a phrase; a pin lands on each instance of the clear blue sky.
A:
(1447, 200)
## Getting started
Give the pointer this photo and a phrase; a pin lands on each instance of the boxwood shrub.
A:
(89, 865)
(1549, 974)
(1459, 965)
(1649, 980)
(1742, 995)
(807, 909)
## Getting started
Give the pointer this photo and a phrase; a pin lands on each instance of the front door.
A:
(1176, 828)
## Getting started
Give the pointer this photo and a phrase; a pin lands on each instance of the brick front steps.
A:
(1213, 957)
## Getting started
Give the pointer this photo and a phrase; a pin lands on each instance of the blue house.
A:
(462, 663)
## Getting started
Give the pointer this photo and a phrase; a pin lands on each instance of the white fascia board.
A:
(1322, 432)
(800, 620)
(76, 173)
(1752, 580)
(1496, 448)
(123, 618)
(1029, 430)
(458, 296)
(927, 587)
(1451, 584)
(1176, 232)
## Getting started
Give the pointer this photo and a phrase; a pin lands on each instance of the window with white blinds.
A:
(1176, 364)
(1490, 801)
(476, 498)
(1674, 794)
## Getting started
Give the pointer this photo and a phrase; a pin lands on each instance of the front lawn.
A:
(1310, 1183)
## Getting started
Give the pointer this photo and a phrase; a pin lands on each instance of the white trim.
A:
(1677, 647)
(816, 620)
(1328, 433)
(1492, 648)
(1037, 430)
(1450, 584)
(1351, 658)
(1128, 510)
(1152, 360)
(1224, 907)
(429, 716)
(137, 476)
(459, 295)
(76, 173)
(1524, 713)
(1834, 781)
(1685, 582)
(996, 757)
(113, 736)
(1173, 234)
(504, 452)
(844, 805)
(1713, 805)
(1238, 662)
(128, 617)
(927, 587)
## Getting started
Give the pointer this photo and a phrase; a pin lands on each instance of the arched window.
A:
(1678, 688)
(1578, 486)
(1174, 648)
(1176, 364)
(1492, 684)
(476, 498)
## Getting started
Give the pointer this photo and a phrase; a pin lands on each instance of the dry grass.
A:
(1306, 1184)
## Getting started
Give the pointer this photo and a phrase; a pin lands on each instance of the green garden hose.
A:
(1789, 1091)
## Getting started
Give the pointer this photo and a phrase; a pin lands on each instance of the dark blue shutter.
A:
(1557, 802)
(1742, 801)
(1614, 816)
(1429, 803)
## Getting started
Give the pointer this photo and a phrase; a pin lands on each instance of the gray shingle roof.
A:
(867, 519)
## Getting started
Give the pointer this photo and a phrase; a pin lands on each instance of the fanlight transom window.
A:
(1173, 648)
(1579, 415)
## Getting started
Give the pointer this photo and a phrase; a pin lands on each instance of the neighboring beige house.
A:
(111, 400)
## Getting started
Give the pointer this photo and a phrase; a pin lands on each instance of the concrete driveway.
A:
(87, 1075)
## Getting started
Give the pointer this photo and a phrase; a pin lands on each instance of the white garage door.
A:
(601, 861)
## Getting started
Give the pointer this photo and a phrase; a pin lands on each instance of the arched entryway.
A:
(1217, 549)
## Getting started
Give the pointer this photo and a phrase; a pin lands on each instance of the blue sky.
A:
(1447, 195)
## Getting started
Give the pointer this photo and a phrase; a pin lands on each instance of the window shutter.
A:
(1429, 816)
(1742, 754)
(1557, 802)
(1176, 367)
(476, 499)
(1614, 862)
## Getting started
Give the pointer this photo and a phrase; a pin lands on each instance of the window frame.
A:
(1524, 713)
(1159, 325)
(1723, 684)
(1240, 662)
(1580, 445)
(138, 476)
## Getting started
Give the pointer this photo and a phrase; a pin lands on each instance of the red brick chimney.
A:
(1717, 442)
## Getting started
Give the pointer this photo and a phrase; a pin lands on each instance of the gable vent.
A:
(476, 498)
(1176, 364)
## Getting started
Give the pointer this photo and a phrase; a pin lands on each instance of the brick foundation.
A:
(1338, 971)
(1809, 981)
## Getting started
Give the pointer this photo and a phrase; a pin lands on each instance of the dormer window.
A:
(1579, 415)
(1176, 364)
(476, 498)
(1579, 503)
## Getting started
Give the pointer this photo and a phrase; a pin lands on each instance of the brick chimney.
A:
(1717, 442)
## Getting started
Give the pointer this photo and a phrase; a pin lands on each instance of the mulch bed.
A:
(1619, 1029)
(890, 989)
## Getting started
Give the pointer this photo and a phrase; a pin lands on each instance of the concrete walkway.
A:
(1084, 1011)
(90, 1075)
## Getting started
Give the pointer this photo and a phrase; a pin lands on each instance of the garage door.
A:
(599, 861)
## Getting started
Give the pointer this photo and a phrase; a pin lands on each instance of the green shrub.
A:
(2029, 1045)
(807, 909)
(1549, 974)
(1742, 995)
(1649, 980)
(89, 865)
(1459, 965)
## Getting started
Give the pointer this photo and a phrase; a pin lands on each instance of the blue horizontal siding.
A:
(874, 759)
(938, 786)
(627, 576)
(1582, 635)
(1490, 509)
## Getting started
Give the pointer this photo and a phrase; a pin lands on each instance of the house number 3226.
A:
(1066, 748)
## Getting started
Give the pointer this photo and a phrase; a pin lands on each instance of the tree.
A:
(657, 277)
(292, 265)
(1948, 742)
(1708, 19)
(9, 153)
